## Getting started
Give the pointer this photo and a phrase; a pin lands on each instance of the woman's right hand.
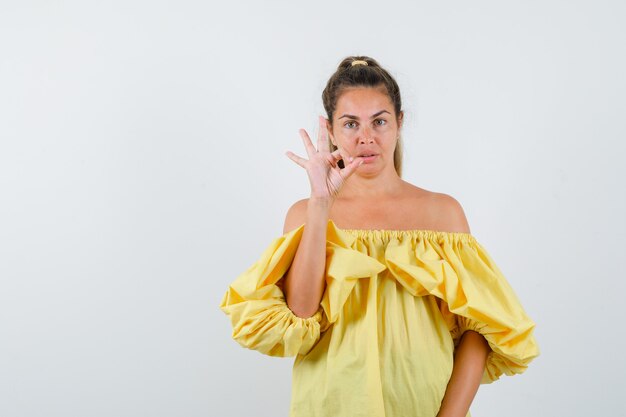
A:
(325, 176)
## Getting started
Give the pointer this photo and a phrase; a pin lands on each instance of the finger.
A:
(295, 158)
(351, 167)
(332, 160)
(322, 136)
(308, 145)
(346, 157)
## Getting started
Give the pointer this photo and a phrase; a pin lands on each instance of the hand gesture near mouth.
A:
(325, 175)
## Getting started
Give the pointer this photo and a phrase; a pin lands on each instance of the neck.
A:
(376, 185)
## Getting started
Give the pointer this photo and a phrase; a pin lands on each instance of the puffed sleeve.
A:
(255, 304)
(255, 301)
(473, 295)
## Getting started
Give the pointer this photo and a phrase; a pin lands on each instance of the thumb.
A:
(351, 167)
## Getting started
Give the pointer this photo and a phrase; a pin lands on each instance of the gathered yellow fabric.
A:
(394, 308)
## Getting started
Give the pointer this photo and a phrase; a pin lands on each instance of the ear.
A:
(329, 129)
(400, 119)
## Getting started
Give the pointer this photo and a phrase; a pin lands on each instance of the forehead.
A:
(363, 100)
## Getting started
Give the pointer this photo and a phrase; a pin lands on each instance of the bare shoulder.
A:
(296, 215)
(448, 213)
(440, 211)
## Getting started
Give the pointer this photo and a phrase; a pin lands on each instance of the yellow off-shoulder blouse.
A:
(395, 305)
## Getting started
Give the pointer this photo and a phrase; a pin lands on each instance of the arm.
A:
(304, 281)
(469, 364)
(470, 355)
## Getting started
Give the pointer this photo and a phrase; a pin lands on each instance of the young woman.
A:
(389, 304)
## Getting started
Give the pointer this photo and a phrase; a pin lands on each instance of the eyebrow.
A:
(373, 115)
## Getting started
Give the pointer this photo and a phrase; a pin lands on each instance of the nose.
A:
(366, 137)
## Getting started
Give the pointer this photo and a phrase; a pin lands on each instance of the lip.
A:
(368, 159)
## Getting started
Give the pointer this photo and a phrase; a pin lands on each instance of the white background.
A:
(142, 169)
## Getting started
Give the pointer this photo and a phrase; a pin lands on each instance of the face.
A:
(365, 123)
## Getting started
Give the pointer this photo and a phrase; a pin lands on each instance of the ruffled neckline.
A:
(430, 234)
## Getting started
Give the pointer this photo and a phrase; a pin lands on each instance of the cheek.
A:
(347, 135)
(343, 141)
(342, 137)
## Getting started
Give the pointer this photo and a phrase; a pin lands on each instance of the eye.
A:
(347, 123)
(380, 120)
